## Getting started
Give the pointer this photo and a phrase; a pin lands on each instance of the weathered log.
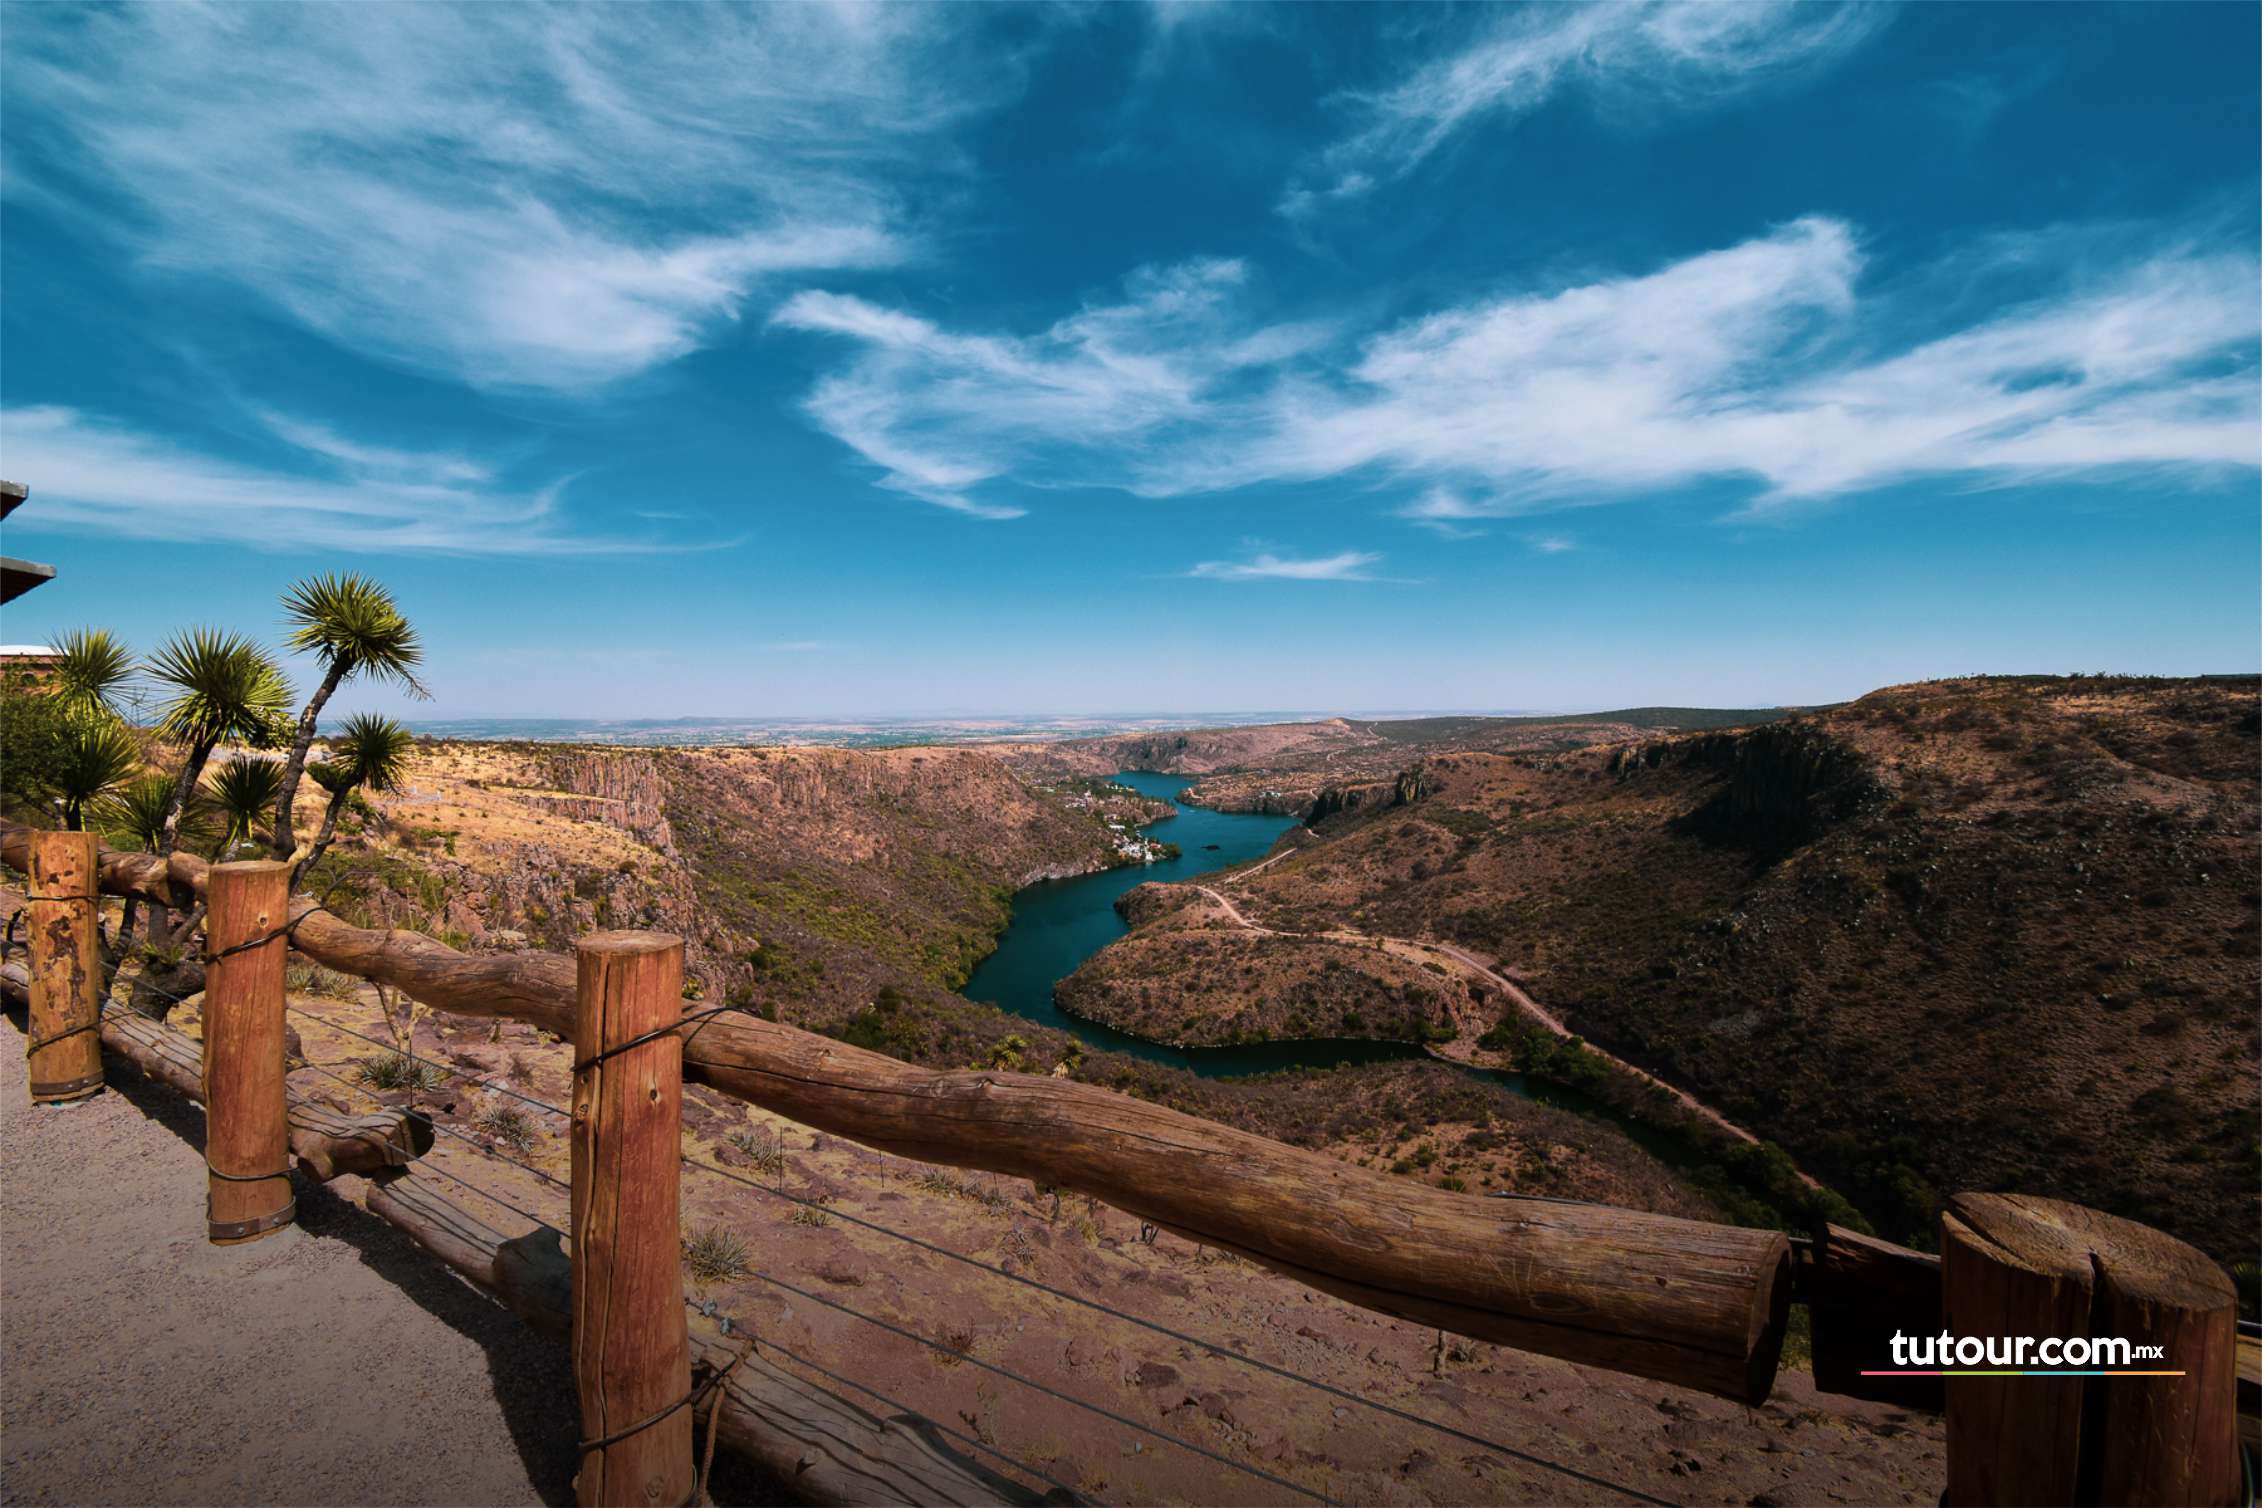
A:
(64, 1054)
(631, 1354)
(326, 1142)
(1700, 1305)
(829, 1450)
(2014, 1265)
(2250, 1392)
(247, 1095)
(1860, 1292)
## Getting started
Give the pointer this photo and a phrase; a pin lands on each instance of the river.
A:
(1057, 924)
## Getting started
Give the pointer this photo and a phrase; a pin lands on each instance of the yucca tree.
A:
(243, 795)
(98, 754)
(370, 753)
(133, 816)
(218, 687)
(93, 669)
(353, 625)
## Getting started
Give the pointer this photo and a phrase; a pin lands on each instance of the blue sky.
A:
(865, 360)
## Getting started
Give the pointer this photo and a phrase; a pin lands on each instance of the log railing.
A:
(1680, 1301)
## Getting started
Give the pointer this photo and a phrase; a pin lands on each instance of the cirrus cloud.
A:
(1773, 362)
(1346, 565)
(523, 196)
(1653, 52)
(320, 492)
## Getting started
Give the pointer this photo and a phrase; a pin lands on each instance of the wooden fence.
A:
(1700, 1305)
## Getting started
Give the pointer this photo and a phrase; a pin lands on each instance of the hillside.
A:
(1995, 933)
(1283, 767)
(849, 891)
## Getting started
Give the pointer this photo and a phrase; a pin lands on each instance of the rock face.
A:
(805, 882)
(622, 790)
(1787, 783)
(1410, 786)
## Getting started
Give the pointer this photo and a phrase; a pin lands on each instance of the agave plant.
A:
(370, 753)
(243, 794)
(355, 628)
(221, 686)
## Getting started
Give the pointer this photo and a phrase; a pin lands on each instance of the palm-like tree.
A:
(98, 754)
(222, 686)
(371, 753)
(243, 793)
(353, 625)
(93, 668)
(133, 816)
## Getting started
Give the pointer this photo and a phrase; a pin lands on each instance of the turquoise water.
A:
(1057, 924)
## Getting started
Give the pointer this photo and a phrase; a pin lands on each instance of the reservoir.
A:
(1057, 924)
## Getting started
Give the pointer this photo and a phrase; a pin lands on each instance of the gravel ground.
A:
(333, 1363)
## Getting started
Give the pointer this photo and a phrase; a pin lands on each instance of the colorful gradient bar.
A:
(2028, 1372)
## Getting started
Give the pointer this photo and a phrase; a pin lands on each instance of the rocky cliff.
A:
(620, 789)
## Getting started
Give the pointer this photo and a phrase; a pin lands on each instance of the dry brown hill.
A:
(1993, 933)
(849, 891)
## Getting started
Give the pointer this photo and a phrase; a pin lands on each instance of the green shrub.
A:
(717, 1254)
(392, 1070)
(508, 1124)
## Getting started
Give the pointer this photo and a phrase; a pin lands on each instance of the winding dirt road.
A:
(1469, 963)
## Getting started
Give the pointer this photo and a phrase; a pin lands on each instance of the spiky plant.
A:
(93, 669)
(354, 627)
(133, 816)
(98, 755)
(371, 753)
(218, 686)
(243, 794)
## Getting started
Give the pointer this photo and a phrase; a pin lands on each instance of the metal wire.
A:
(1032, 1383)
(766, 1344)
(527, 1214)
(452, 1132)
(453, 1073)
(1214, 1348)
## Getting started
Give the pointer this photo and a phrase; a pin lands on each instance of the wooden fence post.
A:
(631, 1343)
(2014, 1265)
(246, 1137)
(64, 1048)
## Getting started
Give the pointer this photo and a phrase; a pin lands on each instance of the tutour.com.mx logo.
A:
(1946, 1355)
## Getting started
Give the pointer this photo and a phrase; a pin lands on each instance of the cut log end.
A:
(2155, 1428)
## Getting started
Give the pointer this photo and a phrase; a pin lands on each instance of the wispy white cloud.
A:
(1768, 362)
(522, 195)
(1349, 565)
(1551, 544)
(92, 475)
(942, 413)
(1651, 52)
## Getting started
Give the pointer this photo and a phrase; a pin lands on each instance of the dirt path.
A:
(1469, 963)
(332, 1364)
